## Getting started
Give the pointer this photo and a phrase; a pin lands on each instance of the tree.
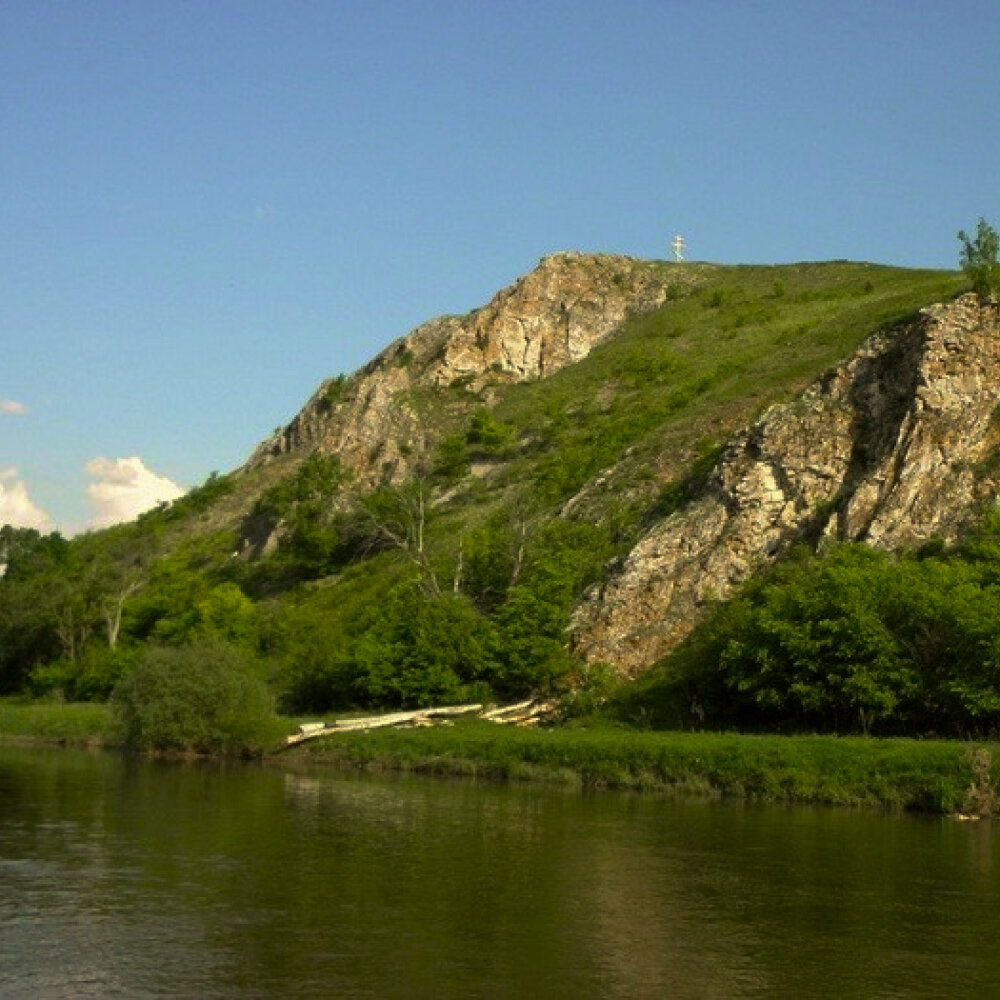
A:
(424, 650)
(978, 259)
(396, 517)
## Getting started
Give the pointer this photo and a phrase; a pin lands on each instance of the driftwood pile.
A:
(524, 713)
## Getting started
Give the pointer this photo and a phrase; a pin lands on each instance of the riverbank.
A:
(948, 777)
(897, 774)
(82, 724)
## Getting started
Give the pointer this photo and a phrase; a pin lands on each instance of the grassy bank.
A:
(83, 724)
(930, 776)
(938, 776)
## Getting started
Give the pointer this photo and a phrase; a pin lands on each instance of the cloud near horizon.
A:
(16, 506)
(12, 408)
(124, 489)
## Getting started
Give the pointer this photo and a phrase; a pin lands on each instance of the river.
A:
(139, 878)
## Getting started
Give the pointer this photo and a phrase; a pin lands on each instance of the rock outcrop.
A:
(895, 446)
(546, 320)
(552, 317)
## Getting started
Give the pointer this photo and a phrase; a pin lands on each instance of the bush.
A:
(199, 698)
(594, 684)
(489, 435)
(451, 461)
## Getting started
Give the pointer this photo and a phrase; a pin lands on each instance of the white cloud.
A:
(10, 407)
(16, 506)
(124, 488)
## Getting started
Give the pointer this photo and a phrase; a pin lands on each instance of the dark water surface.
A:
(144, 879)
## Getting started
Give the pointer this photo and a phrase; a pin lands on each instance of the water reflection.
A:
(139, 879)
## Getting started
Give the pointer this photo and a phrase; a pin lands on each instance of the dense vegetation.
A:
(459, 583)
(850, 640)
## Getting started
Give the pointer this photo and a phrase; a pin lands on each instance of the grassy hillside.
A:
(460, 582)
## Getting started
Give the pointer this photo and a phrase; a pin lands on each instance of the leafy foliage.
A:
(487, 435)
(178, 596)
(422, 651)
(333, 394)
(451, 461)
(57, 596)
(316, 481)
(854, 640)
(195, 501)
(978, 259)
(91, 677)
(198, 698)
(305, 507)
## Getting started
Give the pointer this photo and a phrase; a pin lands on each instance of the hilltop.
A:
(552, 488)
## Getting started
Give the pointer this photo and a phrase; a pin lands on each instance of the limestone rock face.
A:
(551, 317)
(896, 445)
(546, 320)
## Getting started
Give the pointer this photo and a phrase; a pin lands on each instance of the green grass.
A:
(926, 775)
(70, 724)
(646, 406)
(701, 366)
(933, 776)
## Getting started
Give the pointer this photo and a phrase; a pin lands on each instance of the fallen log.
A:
(525, 713)
(310, 730)
(502, 711)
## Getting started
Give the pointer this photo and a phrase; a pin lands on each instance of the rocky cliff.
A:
(546, 320)
(896, 445)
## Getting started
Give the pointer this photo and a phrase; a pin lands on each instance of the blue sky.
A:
(208, 207)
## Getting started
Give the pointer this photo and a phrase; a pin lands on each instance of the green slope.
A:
(531, 489)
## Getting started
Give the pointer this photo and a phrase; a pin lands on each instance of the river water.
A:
(147, 879)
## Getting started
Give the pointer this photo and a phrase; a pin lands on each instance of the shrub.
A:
(451, 462)
(853, 639)
(594, 684)
(489, 435)
(198, 698)
(316, 481)
(333, 394)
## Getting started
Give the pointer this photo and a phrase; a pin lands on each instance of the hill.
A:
(565, 477)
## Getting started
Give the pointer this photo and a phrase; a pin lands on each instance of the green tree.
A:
(978, 258)
(489, 561)
(814, 650)
(167, 608)
(424, 650)
(226, 614)
(532, 623)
